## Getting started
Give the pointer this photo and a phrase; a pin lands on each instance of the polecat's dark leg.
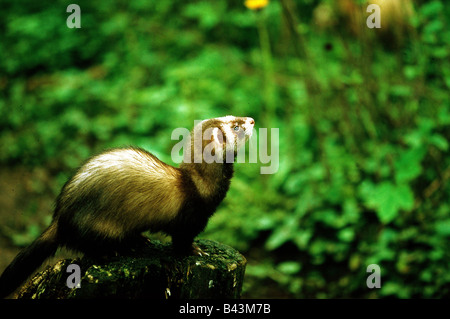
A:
(134, 244)
(185, 228)
(139, 242)
(182, 243)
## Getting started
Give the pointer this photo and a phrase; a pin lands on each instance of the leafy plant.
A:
(364, 127)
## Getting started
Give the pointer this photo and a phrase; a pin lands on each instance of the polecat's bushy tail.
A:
(28, 260)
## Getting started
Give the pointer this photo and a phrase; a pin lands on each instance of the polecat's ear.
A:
(217, 136)
(212, 144)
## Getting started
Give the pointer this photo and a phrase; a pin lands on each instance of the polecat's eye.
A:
(236, 128)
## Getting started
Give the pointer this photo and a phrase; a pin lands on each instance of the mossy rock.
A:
(152, 272)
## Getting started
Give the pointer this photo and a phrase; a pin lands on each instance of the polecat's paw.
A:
(196, 250)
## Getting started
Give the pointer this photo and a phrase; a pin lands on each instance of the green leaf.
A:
(388, 199)
(443, 228)
(439, 141)
(289, 267)
(408, 165)
(401, 90)
(431, 9)
(302, 238)
(279, 237)
(346, 234)
(284, 233)
(26, 238)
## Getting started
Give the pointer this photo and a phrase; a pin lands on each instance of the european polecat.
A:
(120, 193)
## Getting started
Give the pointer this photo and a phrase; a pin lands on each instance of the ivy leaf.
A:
(439, 141)
(283, 233)
(289, 267)
(408, 165)
(387, 199)
(278, 238)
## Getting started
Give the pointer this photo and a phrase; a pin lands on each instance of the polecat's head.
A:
(221, 138)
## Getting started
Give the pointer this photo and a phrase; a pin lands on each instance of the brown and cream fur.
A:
(120, 193)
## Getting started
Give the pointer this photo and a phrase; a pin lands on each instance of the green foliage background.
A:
(364, 128)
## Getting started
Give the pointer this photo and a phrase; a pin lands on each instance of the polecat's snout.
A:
(249, 124)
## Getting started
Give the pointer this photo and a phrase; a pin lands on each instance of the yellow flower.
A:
(256, 4)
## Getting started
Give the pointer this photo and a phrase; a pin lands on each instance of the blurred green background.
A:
(363, 114)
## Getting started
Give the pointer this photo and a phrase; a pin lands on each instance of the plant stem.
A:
(267, 64)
